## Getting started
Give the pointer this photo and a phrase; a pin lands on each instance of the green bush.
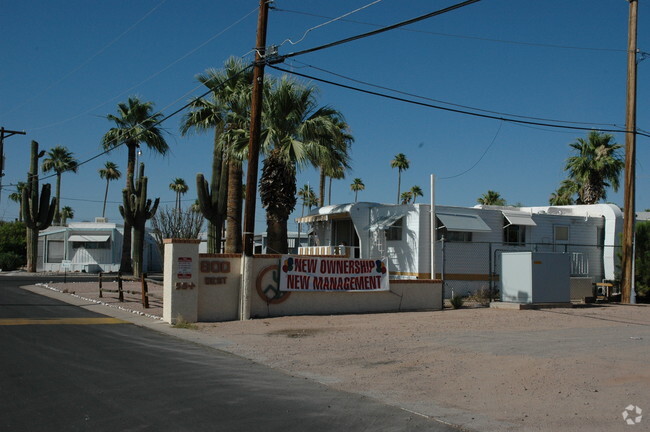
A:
(13, 249)
(457, 301)
(11, 261)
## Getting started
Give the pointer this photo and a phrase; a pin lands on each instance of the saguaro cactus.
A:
(137, 209)
(212, 202)
(37, 212)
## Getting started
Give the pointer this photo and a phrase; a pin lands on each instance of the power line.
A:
(156, 123)
(150, 77)
(329, 22)
(479, 159)
(88, 60)
(280, 59)
(458, 111)
(504, 41)
(451, 103)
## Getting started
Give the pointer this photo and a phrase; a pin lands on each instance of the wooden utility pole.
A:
(4, 133)
(629, 207)
(255, 128)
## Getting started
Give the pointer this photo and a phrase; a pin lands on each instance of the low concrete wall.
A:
(219, 285)
(208, 287)
(404, 295)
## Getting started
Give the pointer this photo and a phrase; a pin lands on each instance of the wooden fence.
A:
(119, 278)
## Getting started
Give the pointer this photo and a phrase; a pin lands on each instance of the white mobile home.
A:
(89, 247)
(468, 240)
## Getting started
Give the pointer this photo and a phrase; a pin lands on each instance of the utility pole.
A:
(629, 207)
(255, 128)
(4, 133)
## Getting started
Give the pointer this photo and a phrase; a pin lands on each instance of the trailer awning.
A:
(322, 217)
(463, 222)
(386, 222)
(518, 218)
(89, 238)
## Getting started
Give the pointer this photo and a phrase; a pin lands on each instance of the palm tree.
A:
(135, 123)
(331, 156)
(416, 191)
(565, 193)
(402, 164)
(491, 198)
(59, 160)
(406, 197)
(293, 126)
(227, 113)
(180, 187)
(109, 172)
(17, 197)
(338, 173)
(66, 213)
(596, 166)
(356, 186)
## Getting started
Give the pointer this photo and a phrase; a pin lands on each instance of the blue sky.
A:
(67, 64)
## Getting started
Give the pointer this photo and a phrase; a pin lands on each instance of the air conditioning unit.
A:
(101, 220)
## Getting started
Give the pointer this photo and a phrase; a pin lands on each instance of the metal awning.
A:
(89, 238)
(322, 217)
(386, 222)
(518, 218)
(463, 222)
(313, 218)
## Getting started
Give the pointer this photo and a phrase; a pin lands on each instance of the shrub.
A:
(13, 250)
(11, 261)
(457, 301)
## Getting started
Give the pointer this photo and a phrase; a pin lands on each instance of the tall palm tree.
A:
(293, 126)
(356, 186)
(227, 113)
(66, 213)
(416, 191)
(596, 166)
(17, 197)
(491, 198)
(110, 172)
(565, 193)
(402, 164)
(330, 156)
(180, 187)
(338, 173)
(135, 124)
(406, 197)
(59, 160)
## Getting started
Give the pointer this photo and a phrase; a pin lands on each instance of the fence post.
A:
(442, 271)
(119, 287)
(490, 273)
(145, 291)
(100, 285)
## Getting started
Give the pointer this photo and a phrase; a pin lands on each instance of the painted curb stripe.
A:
(59, 321)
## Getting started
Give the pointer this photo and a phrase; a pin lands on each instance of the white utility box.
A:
(535, 277)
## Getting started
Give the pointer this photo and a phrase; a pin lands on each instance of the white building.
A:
(474, 238)
(90, 247)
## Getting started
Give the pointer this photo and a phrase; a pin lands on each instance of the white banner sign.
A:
(312, 273)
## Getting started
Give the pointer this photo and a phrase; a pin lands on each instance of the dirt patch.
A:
(484, 369)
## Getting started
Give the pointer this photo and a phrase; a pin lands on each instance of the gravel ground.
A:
(482, 369)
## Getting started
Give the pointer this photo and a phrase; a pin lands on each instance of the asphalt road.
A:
(65, 368)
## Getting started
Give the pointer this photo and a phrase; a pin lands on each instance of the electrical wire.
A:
(156, 123)
(329, 22)
(280, 59)
(88, 60)
(449, 103)
(479, 159)
(504, 41)
(454, 110)
(150, 77)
